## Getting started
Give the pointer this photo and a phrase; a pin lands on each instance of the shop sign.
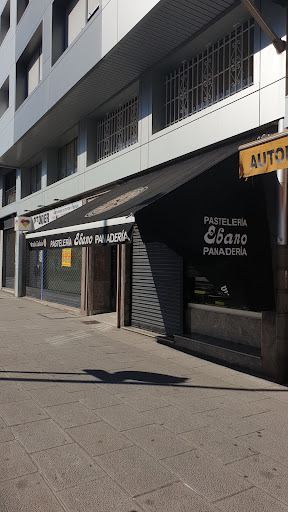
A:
(264, 157)
(112, 235)
(225, 236)
(66, 257)
(44, 218)
(23, 224)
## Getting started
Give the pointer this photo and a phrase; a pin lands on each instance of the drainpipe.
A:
(278, 43)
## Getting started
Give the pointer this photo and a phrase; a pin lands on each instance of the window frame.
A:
(62, 158)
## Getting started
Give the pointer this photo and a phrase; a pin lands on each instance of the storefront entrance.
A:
(104, 277)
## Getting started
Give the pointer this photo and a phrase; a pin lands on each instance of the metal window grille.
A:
(10, 196)
(118, 129)
(222, 69)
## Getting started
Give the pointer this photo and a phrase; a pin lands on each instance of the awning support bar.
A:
(278, 43)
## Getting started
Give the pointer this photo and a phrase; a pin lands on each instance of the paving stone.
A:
(158, 441)
(77, 383)
(72, 415)
(135, 471)
(174, 498)
(176, 420)
(268, 443)
(66, 466)
(96, 398)
(253, 500)
(205, 475)
(28, 494)
(218, 444)
(5, 434)
(236, 406)
(142, 400)
(40, 435)
(265, 473)
(14, 461)
(99, 438)
(27, 377)
(278, 394)
(98, 496)
(247, 395)
(12, 393)
(278, 406)
(231, 423)
(51, 396)
(21, 412)
(274, 422)
(187, 402)
(123, 417)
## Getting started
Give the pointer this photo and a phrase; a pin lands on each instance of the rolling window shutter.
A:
(76, 19)
(34, 70)
(92, 7)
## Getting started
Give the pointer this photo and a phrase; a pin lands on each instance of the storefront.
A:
(54, 276)
(193, 258)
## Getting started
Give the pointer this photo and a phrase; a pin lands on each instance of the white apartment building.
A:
(120, 123)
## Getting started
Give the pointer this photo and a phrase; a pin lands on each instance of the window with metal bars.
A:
(118, 129)
(222, 69)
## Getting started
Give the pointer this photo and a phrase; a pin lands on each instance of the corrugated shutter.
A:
(157, 287)
(76, 19)
(92, 7)
(9, 258)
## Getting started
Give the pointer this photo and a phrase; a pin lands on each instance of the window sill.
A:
(226, 311)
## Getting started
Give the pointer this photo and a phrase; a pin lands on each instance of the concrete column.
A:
(281, 348)
(18, 185)
(19, 288)
(126, 285)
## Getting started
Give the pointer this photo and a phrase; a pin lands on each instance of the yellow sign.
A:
(66, 257)
(264, 157)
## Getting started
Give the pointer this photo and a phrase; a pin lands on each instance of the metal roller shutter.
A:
(157, 287)
(9, 258)
(92, 7)
(76, 19)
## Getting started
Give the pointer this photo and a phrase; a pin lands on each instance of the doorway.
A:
(105, 284)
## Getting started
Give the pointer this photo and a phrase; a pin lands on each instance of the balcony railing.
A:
(10, 196)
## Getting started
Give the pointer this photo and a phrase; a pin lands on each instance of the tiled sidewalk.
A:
(95, 419)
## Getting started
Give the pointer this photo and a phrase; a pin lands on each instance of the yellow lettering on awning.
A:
(264, 157)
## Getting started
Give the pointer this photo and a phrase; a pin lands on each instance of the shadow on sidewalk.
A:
(136, 376)
(128, 377)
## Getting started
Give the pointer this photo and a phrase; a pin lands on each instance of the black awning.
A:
(109, 218)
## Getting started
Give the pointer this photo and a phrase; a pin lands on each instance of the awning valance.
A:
(265, 155)
(109, 218)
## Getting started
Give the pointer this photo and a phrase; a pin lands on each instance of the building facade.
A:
(113, 108)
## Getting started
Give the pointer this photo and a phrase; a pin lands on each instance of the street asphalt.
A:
(97, 419)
